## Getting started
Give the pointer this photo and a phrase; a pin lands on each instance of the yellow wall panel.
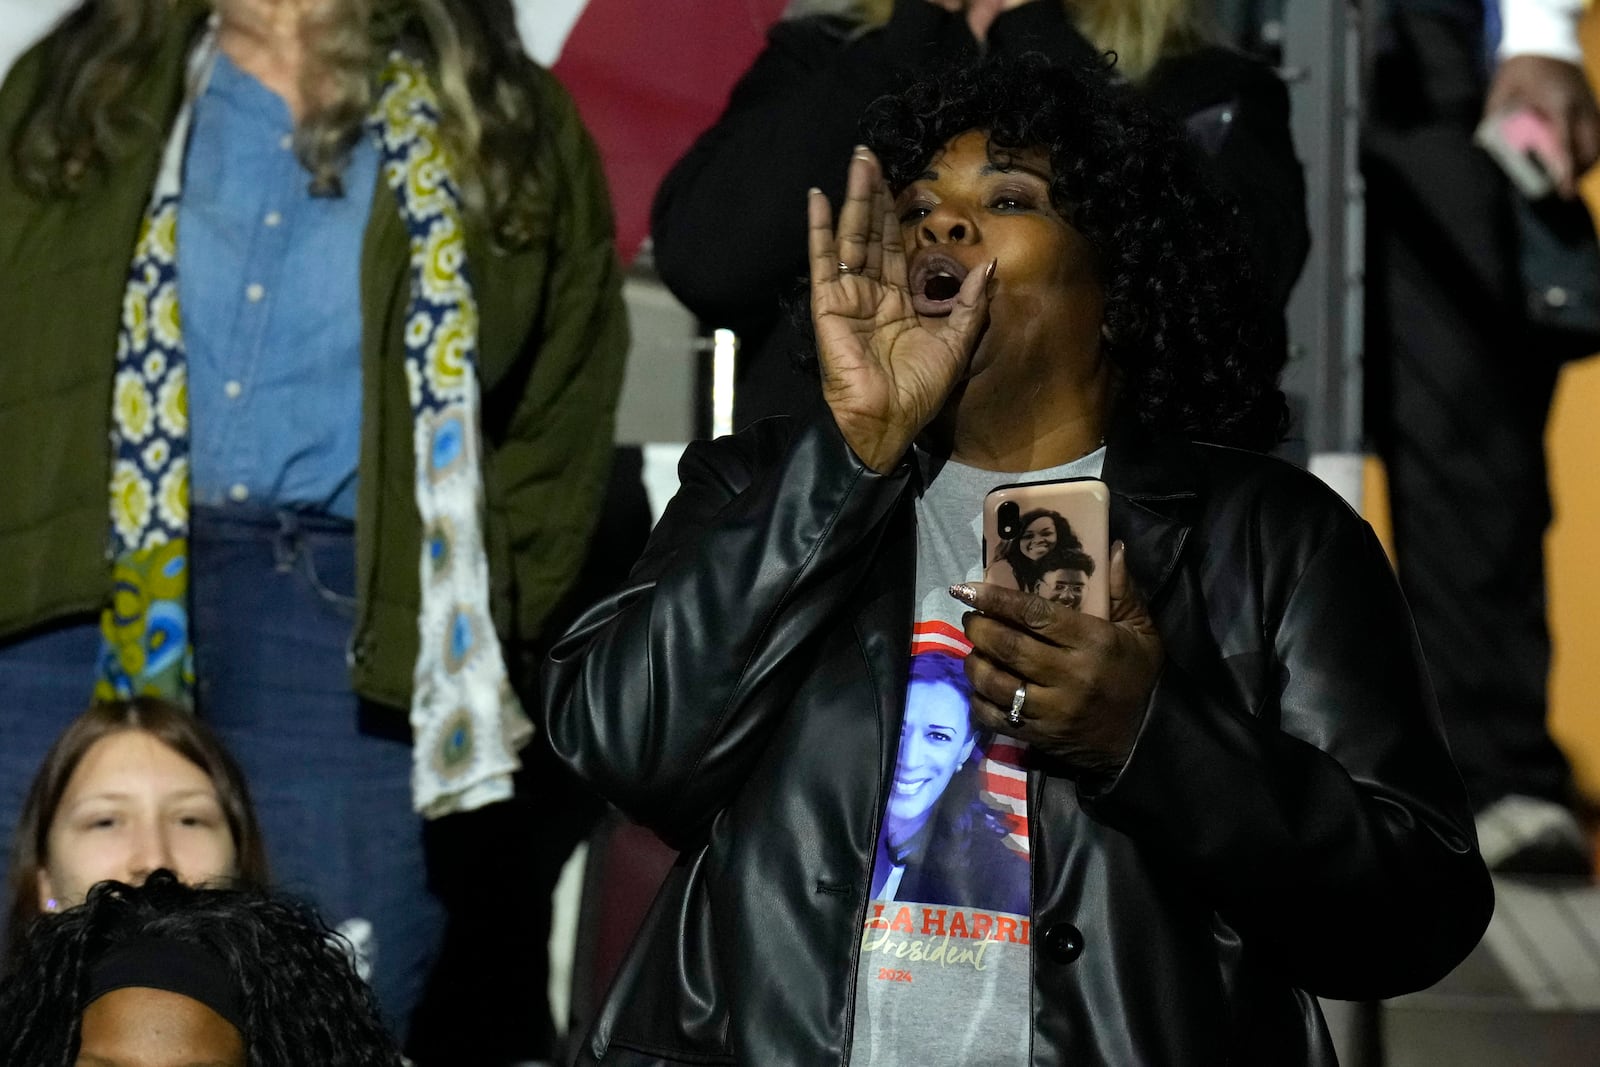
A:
(1573, 558)
(1573, 544)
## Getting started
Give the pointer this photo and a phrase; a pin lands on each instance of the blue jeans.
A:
(271, 604)
(46, 679)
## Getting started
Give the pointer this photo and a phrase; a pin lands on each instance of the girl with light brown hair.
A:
(130, 787)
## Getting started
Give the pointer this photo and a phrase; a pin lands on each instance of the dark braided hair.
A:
(303, 1002)
(1186, 325)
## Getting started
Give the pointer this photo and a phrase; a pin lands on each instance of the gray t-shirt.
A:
(943, 979)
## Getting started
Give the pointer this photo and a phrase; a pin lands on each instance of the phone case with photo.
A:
(1050, 538)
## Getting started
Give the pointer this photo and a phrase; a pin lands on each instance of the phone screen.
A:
(1050, 539)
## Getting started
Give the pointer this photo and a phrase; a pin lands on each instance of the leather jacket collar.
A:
(1155, 500)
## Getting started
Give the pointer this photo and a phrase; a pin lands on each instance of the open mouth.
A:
(935, 282)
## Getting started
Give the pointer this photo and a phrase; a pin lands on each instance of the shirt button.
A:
(1063, 942)
(238, 493)
(286, 142)
(232, 390)
(273, 218)
(254, 292)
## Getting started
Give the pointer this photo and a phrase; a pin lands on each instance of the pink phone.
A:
(1052, 539)
(1525, 145)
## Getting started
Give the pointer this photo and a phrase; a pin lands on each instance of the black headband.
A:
(180, 967)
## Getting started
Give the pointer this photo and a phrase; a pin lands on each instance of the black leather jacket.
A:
(1289, 824)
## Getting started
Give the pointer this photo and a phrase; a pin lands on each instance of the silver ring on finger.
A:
(1020, 697)
(845, 268)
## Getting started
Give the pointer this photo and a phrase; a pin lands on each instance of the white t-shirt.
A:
(1541, 27)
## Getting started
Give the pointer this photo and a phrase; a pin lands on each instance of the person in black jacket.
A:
(797, 110)
(1460, 382)
(1233, 793)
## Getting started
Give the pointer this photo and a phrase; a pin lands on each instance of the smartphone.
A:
(1052, 539)
(1525, 145)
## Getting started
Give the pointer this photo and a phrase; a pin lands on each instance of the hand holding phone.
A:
(1555, 95)
(1528, 149)
(1043, 668)
(1068, 684)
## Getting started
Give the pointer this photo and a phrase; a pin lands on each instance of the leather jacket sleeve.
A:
(654, 696)
(1327, 826)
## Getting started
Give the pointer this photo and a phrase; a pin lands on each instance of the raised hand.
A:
(1085, 681)
(885, 372)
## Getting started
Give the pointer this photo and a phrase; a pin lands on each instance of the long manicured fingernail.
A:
(988, 272)
(965, 593)
(861, 151)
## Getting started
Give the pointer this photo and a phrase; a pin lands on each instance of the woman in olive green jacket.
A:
(346, 487)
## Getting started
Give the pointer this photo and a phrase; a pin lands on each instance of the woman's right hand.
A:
(885, 372)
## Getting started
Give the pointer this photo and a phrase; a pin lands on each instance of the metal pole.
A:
(1323, 65)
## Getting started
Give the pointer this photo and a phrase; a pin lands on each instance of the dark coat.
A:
(1289, 824)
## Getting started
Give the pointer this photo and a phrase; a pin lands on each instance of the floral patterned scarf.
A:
(466, 722)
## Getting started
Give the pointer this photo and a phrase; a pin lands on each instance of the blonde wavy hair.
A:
(488, 87)
(1140, 32)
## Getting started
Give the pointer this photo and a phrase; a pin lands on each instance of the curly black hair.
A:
(302, 1000)
(1186, 324)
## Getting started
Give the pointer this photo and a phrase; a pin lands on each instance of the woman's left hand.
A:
(1088, 680)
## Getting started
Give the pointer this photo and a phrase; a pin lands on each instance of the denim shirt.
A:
(269, 286)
